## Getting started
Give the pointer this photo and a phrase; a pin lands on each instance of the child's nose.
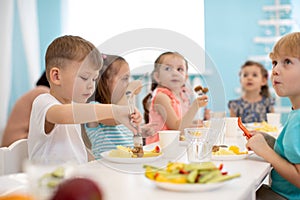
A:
(274, 71)
(91, 84)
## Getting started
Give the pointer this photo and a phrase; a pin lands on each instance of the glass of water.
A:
(199, 149)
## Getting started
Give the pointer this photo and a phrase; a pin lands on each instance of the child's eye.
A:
(83, 78)
(167, 68)
(255, 75)
(180, 69)
(287, 61)
(274, 63)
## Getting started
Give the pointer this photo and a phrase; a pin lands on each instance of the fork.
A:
(137, 138)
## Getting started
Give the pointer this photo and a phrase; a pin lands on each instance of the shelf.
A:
(277, 7)
(266, 40)
(258, 58)
(282, 22)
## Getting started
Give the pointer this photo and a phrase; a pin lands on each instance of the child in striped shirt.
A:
(111, 87)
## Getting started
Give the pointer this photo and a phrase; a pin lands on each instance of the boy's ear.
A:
(54, 75)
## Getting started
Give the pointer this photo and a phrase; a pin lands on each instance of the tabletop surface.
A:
(127, 181)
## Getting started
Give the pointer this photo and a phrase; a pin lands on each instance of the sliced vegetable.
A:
(177, 172)
(243, 128)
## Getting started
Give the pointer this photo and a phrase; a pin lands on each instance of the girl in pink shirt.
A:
(166, 103)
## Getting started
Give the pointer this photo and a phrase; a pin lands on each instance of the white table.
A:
(127, 181)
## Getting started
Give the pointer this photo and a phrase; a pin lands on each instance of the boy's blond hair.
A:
(71, 48)
(289, 45)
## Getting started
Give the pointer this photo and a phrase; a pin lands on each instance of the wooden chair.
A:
(12, 157)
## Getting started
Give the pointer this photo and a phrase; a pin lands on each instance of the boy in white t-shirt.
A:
(72, 68)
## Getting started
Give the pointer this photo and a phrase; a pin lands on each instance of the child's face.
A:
(286, 76)
(172, 72)
(119, 82)
(78, 82)
(252, 79)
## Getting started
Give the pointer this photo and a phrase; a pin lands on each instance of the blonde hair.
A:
(287, 45)
(71, 48)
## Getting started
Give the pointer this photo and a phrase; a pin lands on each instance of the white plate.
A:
(231, 157)
(183, 143)
(13, 183)
(196, 187)
(106, 156)
(252, 126)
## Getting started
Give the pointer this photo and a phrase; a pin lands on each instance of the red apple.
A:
(78, 189)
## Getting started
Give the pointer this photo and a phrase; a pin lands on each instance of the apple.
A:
(78, 189)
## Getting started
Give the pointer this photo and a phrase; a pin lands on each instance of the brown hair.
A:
(265, 88)
(158, 62)
(71, 48)
(110, 68)
(288, 44)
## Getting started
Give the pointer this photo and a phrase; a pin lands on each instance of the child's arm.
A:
(84, 113)
(79, 113)
(164, 107)
(287, 170)
(187, 119)
(232, 113)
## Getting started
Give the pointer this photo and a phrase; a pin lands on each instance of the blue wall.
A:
(230, 27)
(229, 31)
(49, 19)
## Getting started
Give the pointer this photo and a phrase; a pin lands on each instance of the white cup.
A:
(273, 119)
(217, 132)
(231, 126)
(169, 143)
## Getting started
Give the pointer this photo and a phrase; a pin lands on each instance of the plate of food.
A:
(188, 187)
(192, 177)
(263, 127)
(229, 153)
(125, 155)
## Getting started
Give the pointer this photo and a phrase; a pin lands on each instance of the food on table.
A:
(78, 189)
(243, 128)
(231, 150)
(52, 179)
(195, 132)
(265, 127)
(16, 197)
(200, 90)
(193, 173)
(127, 152)
(216, 148)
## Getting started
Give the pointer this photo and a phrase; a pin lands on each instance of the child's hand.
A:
(136, 117)
(201, 101)
(258, 144)
(206, 114)
(135, 87)
(122, 116)
(148, 130)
